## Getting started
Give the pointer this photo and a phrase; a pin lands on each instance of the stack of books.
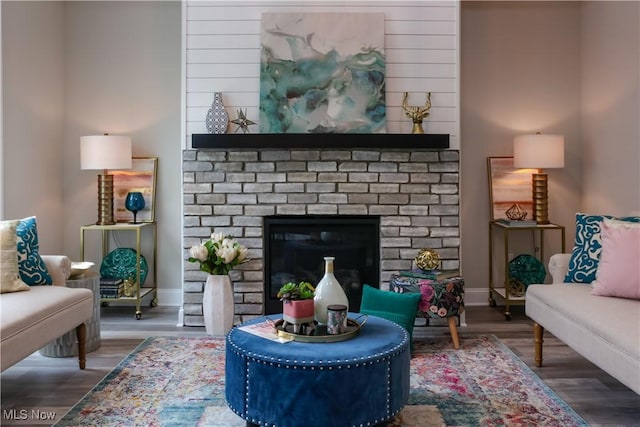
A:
(429, 274)
(111, 287)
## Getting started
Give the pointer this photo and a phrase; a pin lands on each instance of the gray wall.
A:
(33, 112)
(610, 106)
(555, 67)
(81, 68)
(568, 67)
(520, 74)
(123, 77)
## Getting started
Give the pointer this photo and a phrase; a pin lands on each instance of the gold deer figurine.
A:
(416, 114)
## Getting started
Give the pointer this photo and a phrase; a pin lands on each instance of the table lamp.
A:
(102, 152)
(539, 152)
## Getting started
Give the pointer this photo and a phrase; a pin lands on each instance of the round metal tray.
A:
(319, 333)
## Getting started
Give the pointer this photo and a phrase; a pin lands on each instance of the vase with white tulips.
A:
(218, 256)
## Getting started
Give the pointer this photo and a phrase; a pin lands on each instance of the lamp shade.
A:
(105, 152)
(538, 151)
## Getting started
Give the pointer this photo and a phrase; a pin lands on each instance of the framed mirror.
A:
(508, 186)
(141, 177)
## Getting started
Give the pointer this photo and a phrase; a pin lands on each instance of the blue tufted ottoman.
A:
(363, 381)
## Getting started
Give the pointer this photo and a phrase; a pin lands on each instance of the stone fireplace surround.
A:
(415, 192)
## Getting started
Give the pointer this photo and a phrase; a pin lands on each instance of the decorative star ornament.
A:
(242, 122)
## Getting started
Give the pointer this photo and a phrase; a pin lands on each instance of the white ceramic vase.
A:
(328, 292)
(217, 305)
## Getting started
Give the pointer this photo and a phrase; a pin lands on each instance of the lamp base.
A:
(540, 198)
(105, 200)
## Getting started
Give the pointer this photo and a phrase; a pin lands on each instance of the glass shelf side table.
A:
(503, 290)
(139, 229)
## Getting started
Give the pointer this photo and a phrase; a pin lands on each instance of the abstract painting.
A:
(322, 73)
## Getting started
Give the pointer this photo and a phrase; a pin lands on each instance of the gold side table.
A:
(139, 291)
(503, 290)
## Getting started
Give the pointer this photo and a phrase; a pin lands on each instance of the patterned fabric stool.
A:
(440, 298)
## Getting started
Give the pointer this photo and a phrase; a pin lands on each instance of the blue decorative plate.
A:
(121, 264)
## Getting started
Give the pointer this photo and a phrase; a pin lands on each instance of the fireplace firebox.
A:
(295, 247)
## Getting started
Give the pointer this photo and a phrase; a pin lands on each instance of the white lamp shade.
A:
(105, 152)
(538, 151)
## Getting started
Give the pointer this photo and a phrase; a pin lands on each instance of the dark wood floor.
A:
(53, 385)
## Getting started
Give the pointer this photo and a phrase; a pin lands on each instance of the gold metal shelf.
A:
(140, 292)
(502, 290)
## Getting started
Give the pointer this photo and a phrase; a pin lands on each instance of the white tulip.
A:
(199, 252)
(242, 254)
(226, 253)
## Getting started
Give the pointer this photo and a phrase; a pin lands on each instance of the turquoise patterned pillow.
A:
(585, 255)
(31, 266)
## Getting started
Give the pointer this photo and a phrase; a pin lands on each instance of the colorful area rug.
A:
(171, 381)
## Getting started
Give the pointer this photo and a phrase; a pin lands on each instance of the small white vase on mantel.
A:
(328, 292)
(217, 305)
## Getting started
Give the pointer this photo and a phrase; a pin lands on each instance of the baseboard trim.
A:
(170, 297)
(476, 296)
(166, 298)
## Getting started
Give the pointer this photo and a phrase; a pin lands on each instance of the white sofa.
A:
(31, 319)
(605, 330)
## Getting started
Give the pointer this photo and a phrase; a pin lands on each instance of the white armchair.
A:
(31, 319)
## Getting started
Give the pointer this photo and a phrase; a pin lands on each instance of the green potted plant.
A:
(297, 303)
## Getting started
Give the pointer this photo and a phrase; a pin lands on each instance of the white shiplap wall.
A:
(421, 45)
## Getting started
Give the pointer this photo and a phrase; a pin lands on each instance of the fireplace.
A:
(411, 193)
(295, 247)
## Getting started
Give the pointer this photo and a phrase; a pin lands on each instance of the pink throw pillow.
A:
(618, 272)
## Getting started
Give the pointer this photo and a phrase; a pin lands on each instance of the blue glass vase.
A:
(134, 203)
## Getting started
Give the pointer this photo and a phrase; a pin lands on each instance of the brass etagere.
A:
(503, 290)
(139, 228)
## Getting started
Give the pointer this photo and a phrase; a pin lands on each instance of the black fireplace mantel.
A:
(436, 141)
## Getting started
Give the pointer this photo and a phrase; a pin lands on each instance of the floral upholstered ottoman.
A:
(440, 298)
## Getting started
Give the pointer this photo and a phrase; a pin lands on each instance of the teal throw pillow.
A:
(393, 306)
(31, 266)
(585, 255)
